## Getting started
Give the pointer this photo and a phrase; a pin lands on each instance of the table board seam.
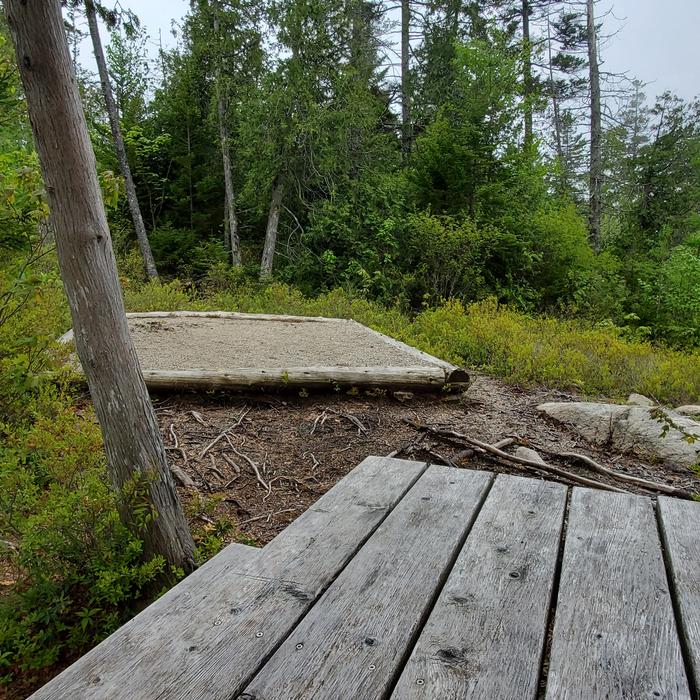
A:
(442, 580)
(261, 665)
(675, 604)
(546, 651)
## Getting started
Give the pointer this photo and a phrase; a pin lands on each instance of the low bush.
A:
(77, 573)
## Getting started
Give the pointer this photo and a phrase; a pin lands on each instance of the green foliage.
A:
(78, 570)
(671, 297)
(181, 252)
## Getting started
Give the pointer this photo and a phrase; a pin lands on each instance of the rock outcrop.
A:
(652, 433)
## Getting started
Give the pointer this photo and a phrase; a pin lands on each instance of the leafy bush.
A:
(181, 252)
(78, 571)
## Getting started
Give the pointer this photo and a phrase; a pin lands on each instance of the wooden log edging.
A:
(296, 377)
(433, 375)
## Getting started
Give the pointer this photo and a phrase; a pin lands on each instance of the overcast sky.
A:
(657, 40)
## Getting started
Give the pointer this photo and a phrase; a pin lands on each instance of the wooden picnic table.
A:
(410, 581)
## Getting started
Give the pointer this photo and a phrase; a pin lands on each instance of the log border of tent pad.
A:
(434, 374)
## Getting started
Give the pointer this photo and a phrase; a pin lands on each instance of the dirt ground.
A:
(301, 446)
(219, 343)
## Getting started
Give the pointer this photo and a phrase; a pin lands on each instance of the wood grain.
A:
(484, 639)
(295, 376)
(614, 632)
(679, 529)
(352, 643)
(218, 634)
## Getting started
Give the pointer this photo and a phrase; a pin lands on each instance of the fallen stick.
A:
(231, 463)
(628, 478)
(254, 466)
(321, 417)
(354, 420)
(224, 433)
(198, 417)
(178, 473)
(512, 458)
(267, 515)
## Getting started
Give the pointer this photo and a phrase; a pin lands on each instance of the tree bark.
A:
(563, 180)
(135, 455)
(232, 237)
(527, 72)
(228, 183)
(406, 128)
(596, 154)
(273, 219)
(142, 238)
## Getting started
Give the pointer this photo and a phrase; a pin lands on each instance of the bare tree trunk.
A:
(527, 72)
(273, 219)
(555, 109)
(596, 159)
(227, 237)
(144, 245)
(135, 455)
(232, 236)
(228, 182)
(406, 130)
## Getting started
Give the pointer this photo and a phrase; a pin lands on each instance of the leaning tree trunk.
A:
(273, 220)
(527, 72)
(113, 113)
(406, 130)
(556, 111)
(135, 454)
(596, 157)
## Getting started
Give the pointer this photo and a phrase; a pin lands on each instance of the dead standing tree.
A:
(135, 453)
(113, 114)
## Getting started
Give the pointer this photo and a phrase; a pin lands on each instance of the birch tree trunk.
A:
(406, 131)
(273, 220)
(145, 247)
(135, 455)
(596, 155)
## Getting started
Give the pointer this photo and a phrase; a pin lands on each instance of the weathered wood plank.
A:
(614, 630)
(351, 644)
(679, 529)
(485, 636)
(212, 642)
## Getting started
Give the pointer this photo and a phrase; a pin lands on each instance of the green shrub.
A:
(78, 571)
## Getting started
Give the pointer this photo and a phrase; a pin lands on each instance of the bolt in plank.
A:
(353, 641)
(614, 631)
(679, 529)
(485, 636)
(213, 638)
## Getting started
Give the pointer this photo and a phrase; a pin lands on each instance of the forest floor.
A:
(301, 446)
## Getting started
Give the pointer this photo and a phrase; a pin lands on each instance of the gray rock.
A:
(650, 433)
(527, 453)
(639, 400)
(690, 410)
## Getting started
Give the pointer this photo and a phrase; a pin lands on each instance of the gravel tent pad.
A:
(233, 350)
